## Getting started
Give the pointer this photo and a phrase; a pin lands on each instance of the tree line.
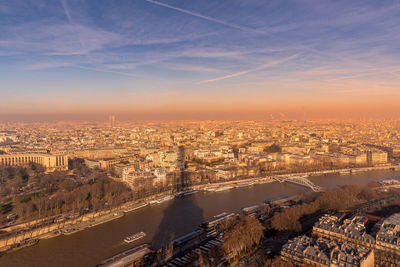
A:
(289, 219)
(31, 193)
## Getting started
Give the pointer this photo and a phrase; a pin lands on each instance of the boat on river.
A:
(132, 238)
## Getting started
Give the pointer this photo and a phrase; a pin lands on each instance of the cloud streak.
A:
(48, 65)
(67, 11)
(221, 22)
(106, 71)
(206, 50)
(244, 72)
(59, 39)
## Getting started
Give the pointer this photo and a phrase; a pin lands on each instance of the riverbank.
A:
(267, 178)
(166, 221)
(68, 226)
(78, 224)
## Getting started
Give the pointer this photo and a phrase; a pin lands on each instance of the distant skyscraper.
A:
(112, 121)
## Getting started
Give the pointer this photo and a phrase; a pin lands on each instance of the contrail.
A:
(66, 10)
(71, 21)
(106, 71)
(228, 76)
(240, 73)
(206, 17)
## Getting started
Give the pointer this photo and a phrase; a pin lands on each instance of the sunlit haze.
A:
(175, 59)
(181, 133)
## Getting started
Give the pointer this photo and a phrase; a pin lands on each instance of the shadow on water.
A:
(181, 213)
(386, 211)
(166, 222)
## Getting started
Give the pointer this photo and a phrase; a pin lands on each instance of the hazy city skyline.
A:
(198, 60)
(199, 133)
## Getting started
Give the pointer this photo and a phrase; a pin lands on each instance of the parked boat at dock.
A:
(27, 242)
(224, 188)
(186, 193)
(244, 184)
(135, 207)
(161, 200)
(210, 188)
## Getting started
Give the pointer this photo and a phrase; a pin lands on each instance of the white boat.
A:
(389, 182)
(266, 182)
(244, 184)
(161, 200)
(223, 188)
(210, 188)
(134, 237)
(135, 207)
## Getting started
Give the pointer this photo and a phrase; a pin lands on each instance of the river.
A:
(165, 222)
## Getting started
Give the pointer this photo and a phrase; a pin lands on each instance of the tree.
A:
(242, 236)
(274, 148)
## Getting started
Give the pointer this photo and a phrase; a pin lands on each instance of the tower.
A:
(112, 120)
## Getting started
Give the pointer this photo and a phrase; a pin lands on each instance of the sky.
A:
(180, 58)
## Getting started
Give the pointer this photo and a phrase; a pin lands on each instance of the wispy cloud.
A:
(58, 38)
(221, 22)
(47, 65)
(106, 71)
(201, 47)
(189, 67)
(67, 11)
(261, 67)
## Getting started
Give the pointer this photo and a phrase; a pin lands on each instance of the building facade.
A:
(49, 161)
(323, 252)
(386, 244)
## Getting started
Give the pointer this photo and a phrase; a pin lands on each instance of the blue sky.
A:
(138, 55)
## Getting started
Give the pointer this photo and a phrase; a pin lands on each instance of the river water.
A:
(165, 222)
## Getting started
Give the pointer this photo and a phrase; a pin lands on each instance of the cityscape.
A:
(199, 133)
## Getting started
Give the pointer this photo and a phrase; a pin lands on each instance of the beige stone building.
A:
(49, 161)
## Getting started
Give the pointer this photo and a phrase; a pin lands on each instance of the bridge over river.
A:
(170, 219)
(299, 180)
